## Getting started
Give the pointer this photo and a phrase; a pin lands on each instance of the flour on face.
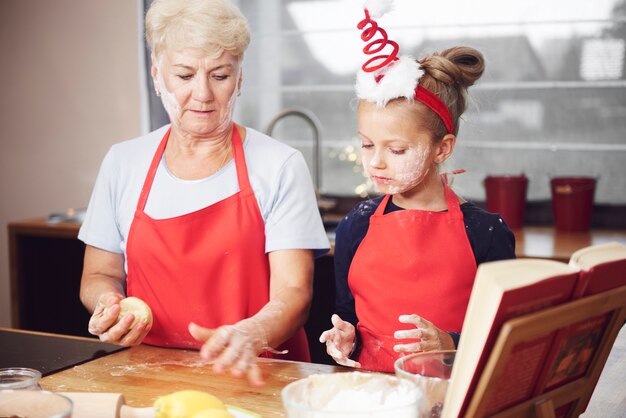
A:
(413, 170)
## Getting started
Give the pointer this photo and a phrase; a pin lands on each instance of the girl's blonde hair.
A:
(214, 26)
(448, 75)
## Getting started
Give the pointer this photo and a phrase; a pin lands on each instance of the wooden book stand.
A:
(577, 392)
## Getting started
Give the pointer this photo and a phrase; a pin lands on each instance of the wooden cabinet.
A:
(46, 262)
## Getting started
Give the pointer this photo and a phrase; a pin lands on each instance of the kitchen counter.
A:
(144, 373)
(531, 241)
(546, 242)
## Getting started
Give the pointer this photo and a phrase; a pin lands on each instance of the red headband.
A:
(421, 94)
(436, 104)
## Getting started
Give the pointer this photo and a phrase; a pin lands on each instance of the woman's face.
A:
(198, 93)
(397, 155)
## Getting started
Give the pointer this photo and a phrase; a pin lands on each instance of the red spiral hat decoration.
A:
(376, 45)
(370, 29)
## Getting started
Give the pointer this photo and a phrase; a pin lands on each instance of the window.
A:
(552, 101)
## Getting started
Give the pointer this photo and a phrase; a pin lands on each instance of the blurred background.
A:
(552, 101)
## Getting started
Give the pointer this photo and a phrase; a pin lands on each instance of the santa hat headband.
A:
(385, 76)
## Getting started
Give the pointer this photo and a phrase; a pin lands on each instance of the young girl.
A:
(405, 262)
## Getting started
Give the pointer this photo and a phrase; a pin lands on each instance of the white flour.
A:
(351, 395)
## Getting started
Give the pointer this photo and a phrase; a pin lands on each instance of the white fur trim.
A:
(400, 80)
(378, 8)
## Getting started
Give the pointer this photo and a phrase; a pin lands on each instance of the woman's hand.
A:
(235, 347)
(104, 324)
(340, 340)
(432, 338)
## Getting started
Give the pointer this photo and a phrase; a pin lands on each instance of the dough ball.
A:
(138, 308)
(185, 404)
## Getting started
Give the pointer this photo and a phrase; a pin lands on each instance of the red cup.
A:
(506, 195)
(572, 202)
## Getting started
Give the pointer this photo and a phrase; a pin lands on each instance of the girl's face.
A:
(197, 92)
(397, 155)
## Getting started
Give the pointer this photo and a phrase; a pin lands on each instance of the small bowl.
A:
(430, 371)
(351, 395)
(34, 404)
(19, 378)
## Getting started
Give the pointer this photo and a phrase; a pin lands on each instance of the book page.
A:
(589, 257)
(602, 268)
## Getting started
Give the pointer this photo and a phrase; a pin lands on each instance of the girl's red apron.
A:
(208, 266)
(410, 262)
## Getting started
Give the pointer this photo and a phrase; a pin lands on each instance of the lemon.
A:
(185, 403)
(213, 413)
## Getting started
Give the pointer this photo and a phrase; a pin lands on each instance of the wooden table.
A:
(144, 373)
(546, 242)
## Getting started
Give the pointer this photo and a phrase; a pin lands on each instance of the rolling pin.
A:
(104, 405)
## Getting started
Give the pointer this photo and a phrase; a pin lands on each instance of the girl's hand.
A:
(431, 338)
(235, 347)
(340, 340)
(105, 325)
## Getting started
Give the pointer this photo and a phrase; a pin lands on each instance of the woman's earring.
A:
(157, 92)
(238, 92)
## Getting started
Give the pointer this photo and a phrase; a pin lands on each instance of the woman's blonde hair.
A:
(214, 26)
(448, 75)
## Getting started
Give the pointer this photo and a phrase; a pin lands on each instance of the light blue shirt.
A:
(278, 175)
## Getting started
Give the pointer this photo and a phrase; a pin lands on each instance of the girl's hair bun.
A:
(459, 65)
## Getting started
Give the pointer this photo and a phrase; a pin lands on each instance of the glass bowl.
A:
(351, 395)
(34, 404)
(430, 371)
(19, 378)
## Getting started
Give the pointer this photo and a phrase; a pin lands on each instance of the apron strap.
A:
(242, 171)
(147, 185)
(452, 200)
(380, 210)
(240, 157)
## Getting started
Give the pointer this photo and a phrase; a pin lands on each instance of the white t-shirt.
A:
(278, 175)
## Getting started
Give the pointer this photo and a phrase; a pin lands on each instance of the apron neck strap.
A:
(147, 184)
(380, 210)
(240, 160)
(452, 200)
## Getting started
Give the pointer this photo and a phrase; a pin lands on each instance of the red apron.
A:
(410, 262)
(208, 266)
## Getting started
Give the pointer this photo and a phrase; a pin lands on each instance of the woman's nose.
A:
(202, 90)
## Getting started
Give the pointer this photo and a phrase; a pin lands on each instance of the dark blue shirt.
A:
(490, 239)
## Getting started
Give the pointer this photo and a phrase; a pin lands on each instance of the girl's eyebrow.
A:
(363, 135)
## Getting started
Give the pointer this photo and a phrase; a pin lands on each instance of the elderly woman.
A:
(212, 224)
